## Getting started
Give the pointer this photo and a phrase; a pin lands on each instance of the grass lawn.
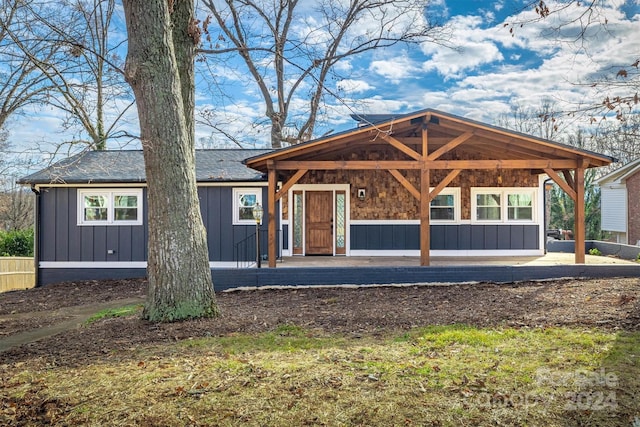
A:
(442, 376)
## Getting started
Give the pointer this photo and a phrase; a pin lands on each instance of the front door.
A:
(319, 223)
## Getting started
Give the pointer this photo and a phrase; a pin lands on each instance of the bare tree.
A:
(22, 83)
(16, 206)
(68, 44)
(290, 48)
(543, 121)
(163, 36)
(16, 203)
(619, 139)
(616, 87)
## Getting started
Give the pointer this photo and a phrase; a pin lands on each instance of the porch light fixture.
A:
(361, 193)
(258, 211)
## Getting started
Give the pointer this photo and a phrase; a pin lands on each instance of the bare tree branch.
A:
(288, 47)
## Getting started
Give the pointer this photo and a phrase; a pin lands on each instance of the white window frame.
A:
(449, 191)
(532, 193)
(504, 193)
(237, 192)
(110, 194)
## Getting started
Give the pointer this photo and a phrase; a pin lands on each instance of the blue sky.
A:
(490, 72)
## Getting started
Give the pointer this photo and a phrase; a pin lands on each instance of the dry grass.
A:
(441, 376)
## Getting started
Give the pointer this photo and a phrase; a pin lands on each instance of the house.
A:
(91, 212)
(620, 203)
(426, 183)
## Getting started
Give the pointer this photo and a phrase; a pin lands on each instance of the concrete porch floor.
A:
(552, 258)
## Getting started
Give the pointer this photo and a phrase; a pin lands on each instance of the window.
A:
(244, 199)
(110, 207)
(503, 204)
(444, 207)
(488, 207)
(519, 207)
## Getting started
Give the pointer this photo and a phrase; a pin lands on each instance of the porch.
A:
(358, 271)
(551, 258)
(405, 176)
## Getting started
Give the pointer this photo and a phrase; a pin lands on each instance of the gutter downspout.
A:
(36, 233)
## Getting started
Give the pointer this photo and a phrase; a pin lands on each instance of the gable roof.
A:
(621, 174)
(127, 166)
(486, 140)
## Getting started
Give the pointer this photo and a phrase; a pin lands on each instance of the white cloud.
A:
(474, 48)
(396, 69)
(354, 86)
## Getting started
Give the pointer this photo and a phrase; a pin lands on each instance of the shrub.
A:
(16, 243)
(595, 251)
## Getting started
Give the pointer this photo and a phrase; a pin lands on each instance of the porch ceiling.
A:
(403, 137)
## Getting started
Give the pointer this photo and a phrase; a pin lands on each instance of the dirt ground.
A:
(605, 303)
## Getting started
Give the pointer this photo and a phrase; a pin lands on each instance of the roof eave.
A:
(595, 159)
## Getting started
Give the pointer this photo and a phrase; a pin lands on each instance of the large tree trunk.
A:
(180, 285)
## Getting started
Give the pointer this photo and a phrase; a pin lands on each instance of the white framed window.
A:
(244, 199)
(445, 207)
(488, 206)
(510, 205)
(520, 206)
(110, 207)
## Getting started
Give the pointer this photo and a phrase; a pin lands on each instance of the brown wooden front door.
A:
(319, 223)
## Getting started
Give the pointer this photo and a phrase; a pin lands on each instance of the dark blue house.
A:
(423, 184)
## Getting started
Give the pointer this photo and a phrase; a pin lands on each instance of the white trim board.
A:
(450, 253)
(119, 264)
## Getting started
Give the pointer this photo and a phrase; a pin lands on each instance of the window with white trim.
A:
(445, 207)
(520, 207)
(503, 204)
(110, 207)
(488, 206)
(244, 199)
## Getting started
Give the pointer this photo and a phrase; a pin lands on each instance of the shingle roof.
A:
(128, 167)
(621, 174)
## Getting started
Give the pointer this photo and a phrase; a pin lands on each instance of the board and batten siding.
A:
(216, 207)
(614, 209)
(466, 237)
(61, 239)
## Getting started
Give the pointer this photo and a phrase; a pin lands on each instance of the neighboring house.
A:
(620, 203)
(425, 183)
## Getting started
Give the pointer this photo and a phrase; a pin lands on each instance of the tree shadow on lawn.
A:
(608, 396)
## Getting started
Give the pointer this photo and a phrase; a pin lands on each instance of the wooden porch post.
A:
(271, 217)
(579, 217)
(425, 230)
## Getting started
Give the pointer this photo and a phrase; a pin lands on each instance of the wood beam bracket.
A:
(394, 142)
(450, 145)
(566, 187)
(290, 183)
(446, 181)
(405, 183)
(569, 178)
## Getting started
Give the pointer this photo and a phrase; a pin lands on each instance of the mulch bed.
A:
(603, 303)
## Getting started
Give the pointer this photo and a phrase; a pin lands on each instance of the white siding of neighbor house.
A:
(614, 209)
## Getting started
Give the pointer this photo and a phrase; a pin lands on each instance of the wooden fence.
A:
(16, 273)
